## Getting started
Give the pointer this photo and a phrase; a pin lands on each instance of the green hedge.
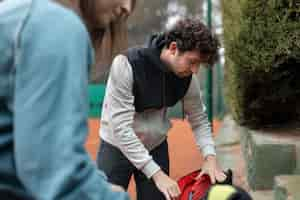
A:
(262, 49)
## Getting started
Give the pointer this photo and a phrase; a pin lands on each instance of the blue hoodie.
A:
(45, 52)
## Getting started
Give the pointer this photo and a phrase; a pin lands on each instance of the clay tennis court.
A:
(184, 156)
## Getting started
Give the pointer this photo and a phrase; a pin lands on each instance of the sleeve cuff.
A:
(208, 150)
(150, 169)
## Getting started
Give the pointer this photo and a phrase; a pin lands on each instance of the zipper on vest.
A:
(164, 94)
(164, 89)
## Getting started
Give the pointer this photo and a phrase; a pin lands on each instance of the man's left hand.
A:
(211, 168)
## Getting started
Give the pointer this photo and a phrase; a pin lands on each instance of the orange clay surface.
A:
(184, 156)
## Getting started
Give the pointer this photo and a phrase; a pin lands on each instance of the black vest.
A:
(154, 86)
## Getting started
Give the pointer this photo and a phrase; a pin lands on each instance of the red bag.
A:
(192, 189)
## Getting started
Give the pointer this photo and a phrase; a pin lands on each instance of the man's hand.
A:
(211, 168)
(166, 185)
(117, 188)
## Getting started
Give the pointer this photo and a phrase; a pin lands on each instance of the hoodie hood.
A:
(152, 52)
(157, 41)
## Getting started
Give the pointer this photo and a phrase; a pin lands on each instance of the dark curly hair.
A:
(192, 34)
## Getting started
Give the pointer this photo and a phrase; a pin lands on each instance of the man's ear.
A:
(173, 47)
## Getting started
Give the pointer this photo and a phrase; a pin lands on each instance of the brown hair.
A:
(192, 34)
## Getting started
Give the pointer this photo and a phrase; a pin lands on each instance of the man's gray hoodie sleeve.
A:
(195, 109)
(119, 106)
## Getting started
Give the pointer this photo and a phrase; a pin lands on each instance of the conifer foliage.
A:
(262, 49)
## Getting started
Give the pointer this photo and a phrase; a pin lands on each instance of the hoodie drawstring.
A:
(183, 115)
(164, 94)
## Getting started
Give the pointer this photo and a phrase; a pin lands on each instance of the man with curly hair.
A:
(143, 83)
